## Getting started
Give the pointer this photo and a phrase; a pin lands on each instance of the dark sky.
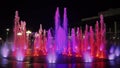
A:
(43, 11)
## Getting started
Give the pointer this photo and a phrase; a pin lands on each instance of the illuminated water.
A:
(87, 45)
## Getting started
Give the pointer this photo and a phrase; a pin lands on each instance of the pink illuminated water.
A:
(87, 44)
(20, 38)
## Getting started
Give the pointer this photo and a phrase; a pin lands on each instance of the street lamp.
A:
(7, 31)
(28, 32)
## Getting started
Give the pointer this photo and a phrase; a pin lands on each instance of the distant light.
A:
(28, 32)
(113, 37)
(0, 38)
(19, 33)
(7, 29)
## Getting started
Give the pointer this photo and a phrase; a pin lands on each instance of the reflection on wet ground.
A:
(5, 63)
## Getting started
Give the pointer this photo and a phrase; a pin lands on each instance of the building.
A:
(111, 19)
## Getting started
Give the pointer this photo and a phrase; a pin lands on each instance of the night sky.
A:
(42, 12)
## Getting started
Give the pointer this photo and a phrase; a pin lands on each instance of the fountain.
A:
(79, 44)
(88, 45)
(51, 48)
(20, 38)
(114, 52)
(5, 51)
(60, 31)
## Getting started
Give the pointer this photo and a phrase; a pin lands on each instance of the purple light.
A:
(5, 51)
(52, 58)
(101, 48)
(13, 47)
(88, 48)
(111, 57)
(117, 51)
(51, 50)
(112, 49)
(87, 57)
(19, 56)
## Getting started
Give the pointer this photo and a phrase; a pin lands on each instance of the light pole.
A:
(28, 32)
(7, 32)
